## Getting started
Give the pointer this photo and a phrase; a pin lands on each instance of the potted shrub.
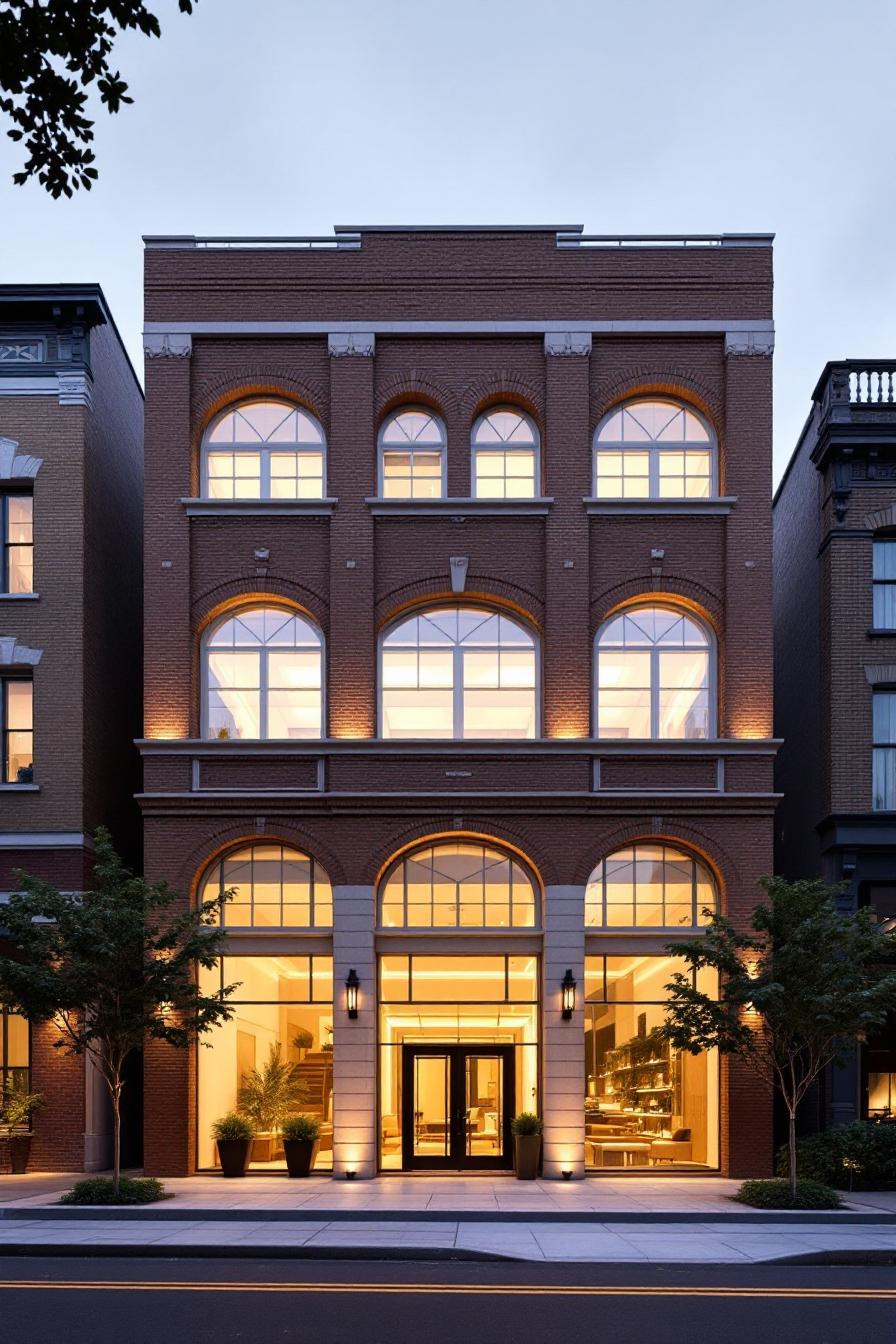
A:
(526, 1129)
(302, 1041)
(301, 1140)
(266, 1097)
(19, 1105)
(233, 1134)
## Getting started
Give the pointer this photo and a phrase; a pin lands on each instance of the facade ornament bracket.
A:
(351, 343)
(75, 389)
(758, 342)
(167, 345)
(14, 654)
(16, 466)
(458, 569)
(567, 343)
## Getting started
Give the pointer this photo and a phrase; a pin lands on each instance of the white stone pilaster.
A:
(354, 1042)
(563, 1044)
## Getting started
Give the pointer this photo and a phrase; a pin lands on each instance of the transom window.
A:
(649, 886)
(264, 676)
(16, 525)
(273, 887)
(884, 585)
(264, 450)
(653, 450)
(17, 729)
(653, 676)
(884, 751)
(412, 456)
(505, 456)
(456, 885)
(458, 672)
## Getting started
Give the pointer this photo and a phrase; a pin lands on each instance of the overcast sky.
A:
(287, 116)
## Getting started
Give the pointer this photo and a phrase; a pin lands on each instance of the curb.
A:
(72, 1250)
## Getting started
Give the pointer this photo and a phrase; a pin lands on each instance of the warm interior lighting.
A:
(568, 994)
(352, 985)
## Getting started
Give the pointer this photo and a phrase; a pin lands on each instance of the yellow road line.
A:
(412, 1289)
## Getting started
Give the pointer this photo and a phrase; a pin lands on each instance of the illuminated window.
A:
(654, 676)
(649, 886)
(17, 729)
(264, 450)
(273, 887)
(263, 676)
(412, 456)
(15, 1053)
(884, 585)
(884, 751)
(458, 672)
(654, 450)
(458, 885)
(16, 519)
(505, 456)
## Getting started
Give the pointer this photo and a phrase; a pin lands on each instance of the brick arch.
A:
(645, 829)
(250, 383)
(646, 380)
(438, 828)
(235, 834)
(432, 591)
(706, 603)
(415, 387)
(503, 386)
(251, 590)
(880, 518)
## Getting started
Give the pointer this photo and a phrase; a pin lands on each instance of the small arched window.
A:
(649, 886)
(458, 672)
(505, 452)
(263, 674)
(654, 675)
(273, 886)
(654, 450)
(458, 885)
(412, 456)
(264, 450)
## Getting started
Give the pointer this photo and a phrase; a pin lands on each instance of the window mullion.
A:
(654, 692)
(265, 464)
(458, 702)
(654, 470)
(263, 695)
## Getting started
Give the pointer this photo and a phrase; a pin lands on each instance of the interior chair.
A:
(676, 1149)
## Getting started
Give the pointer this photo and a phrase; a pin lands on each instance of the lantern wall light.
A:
(352, 985)
(568, 995)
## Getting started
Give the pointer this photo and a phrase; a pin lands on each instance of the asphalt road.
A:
(140, 1301)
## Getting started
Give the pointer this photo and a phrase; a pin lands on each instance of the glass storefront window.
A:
(646, 1105)
(283, 1017)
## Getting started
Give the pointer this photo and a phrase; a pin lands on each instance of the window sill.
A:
(242, 508)
(19, 597)
(875, 632)
(458, 508)
(721, 504)
(19, 788)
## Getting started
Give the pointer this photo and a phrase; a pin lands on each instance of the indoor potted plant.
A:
(301, 1140)
(19, 1105)
(266, 1097)
(233, 1134)
(526, 1129)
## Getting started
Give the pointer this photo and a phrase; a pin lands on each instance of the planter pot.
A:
(300, 1155)
(19, 1152)
(526, 1152)
(233, 1154)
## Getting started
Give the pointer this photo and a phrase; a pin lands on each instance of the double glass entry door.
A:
(457, 1105)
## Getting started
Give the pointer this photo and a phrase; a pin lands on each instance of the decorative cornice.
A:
(14, 654)
(16, 466)
(567, 343)
(167, 345)
(74, 389)
(351, 343)
(880, 674)
(758, 341)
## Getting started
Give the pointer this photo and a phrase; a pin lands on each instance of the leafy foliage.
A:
(101, 1190)
(526, 1123)
(861, 1156)
(300, 1129)
(233, 1126)
(267, 1095)
(781, 1195)
(794, 993)
(18, 1105)
(51, 51)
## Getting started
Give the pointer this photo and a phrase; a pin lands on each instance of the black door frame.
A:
(457, 1158)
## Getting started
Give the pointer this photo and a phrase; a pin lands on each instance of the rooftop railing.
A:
(856, 383)
(341, 242)
(661, 240)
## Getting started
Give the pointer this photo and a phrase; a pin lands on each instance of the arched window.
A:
(264, 450)
(273, 886)
(458, 885)
(505, 456)
(458, 672)
(654, 675)
(654, 450)
(263, 674)
(412, 456)
(649, 886)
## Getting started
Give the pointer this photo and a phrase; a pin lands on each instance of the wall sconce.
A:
(352, 985)
(568, 995)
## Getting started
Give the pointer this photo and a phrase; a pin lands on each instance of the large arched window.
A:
(458, 672)
(458, 885)
(649, 886)
(264, 450)
(505, 456)
(272, 886)
(654, 675)
(263, 676)
(654, 450)
(412, 456)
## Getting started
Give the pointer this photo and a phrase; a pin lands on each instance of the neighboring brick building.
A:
(835, 671)
(405, 490)
(71, 489)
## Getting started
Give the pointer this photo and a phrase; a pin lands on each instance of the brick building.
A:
(458, 668)
(71, 486)
(835, 672)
